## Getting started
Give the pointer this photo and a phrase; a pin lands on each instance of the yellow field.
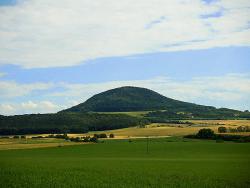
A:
(222, 122)
(166, 129)
(32, 143)
(152, 130)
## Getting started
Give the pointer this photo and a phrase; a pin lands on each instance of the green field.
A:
(169, 162)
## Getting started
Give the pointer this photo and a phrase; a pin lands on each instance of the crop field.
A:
(166, 162)
(170, 129)
(32, 143)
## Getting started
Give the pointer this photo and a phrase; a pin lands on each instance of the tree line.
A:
(65, 123)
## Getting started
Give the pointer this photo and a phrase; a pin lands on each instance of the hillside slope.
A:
(127, 99)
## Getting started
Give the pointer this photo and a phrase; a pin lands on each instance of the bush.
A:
(86, 139)
(222, 129)
(16, 136)
(219, 137)
(111, 135)
(23, 136)
(76, 139)
(205, 133)
(103, 135)
(93, 139)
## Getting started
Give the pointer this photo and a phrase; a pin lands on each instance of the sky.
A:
(56, 54)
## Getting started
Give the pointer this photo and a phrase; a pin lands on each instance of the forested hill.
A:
(127, 99)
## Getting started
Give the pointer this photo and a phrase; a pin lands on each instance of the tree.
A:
(222, 129)
(111, 135)
(205, 133)
(103, 135)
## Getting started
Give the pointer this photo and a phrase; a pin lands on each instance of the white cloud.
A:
(29, 107)
(10, 89)
(63, 32)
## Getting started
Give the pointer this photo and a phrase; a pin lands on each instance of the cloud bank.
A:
(45, 33)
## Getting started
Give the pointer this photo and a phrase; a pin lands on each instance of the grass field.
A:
(169, 162)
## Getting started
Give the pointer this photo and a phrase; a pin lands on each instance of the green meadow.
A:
(168, 162)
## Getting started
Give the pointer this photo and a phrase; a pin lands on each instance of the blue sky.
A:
(51, 58)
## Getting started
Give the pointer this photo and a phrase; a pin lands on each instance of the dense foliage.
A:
(196, 113)
(234, 130)
(209, 134)
(65, 123)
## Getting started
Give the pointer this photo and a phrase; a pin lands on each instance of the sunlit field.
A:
(167, 129)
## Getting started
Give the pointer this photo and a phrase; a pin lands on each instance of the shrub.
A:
(111, 135)
(222, 129)
(16, 136)
(93, 139)
(103, 135)
(23, 136)
(76, 139)
(86, 139)
(205, 133)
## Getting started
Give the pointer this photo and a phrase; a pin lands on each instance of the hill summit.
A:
(126, 99)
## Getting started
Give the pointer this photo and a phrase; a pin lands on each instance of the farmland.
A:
(129, 160)
(169, 162)
(171, 129)
(6, 144)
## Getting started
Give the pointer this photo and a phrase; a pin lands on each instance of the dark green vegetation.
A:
(87, 117)
(65, 123)
(171, 162)
(209, 134)
(234, 130)
(127, 99)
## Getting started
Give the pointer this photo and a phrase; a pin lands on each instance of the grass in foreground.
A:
(170, 162)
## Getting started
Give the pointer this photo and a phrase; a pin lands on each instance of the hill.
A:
(128, 99)
(132, 99)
